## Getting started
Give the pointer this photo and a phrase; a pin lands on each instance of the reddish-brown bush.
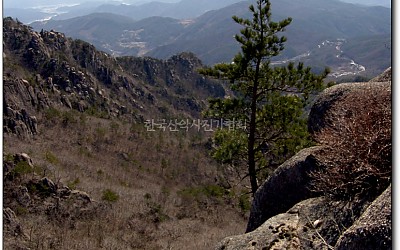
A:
(358, 163)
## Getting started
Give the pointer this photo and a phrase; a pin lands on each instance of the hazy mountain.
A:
(40, 3)
(27, 15)
(180, 10)
(385, 3)
(134, 9)
(210, 36)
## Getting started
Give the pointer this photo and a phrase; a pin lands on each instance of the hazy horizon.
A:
(24, 4)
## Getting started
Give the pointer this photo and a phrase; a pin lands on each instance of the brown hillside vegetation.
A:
(148, 190)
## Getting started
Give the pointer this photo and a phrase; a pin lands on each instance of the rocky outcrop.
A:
(14, 236)
(373, 230)
(10, 164)
(21, 99)
(286, 215)
(48, 70)
(28, 193)
(287, 186)
(20, 123)
(314, 223)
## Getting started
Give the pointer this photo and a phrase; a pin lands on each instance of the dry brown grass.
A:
(359, 160)
(149, 171)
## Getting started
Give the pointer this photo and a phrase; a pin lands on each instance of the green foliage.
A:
(20, 210)
(270, 100)
(66, 118)
(69, 118)
(22, 168)
(207, 191)
(244, 203)
(51, 158)
(9, 158)
(110, 196)
(114, 127)
(147, 196)
(100, 132)
(39, 188)
(52, 114)
(74, 183)
(214, 191)
(164, 163)
(230, 146)
(156, 212)
(96, 112)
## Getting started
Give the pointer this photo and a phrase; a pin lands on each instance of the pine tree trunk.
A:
(252, 134)
(252, 162)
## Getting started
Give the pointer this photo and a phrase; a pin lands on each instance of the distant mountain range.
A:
(385, 3)
(210, 36)
(30, 11)
(146, 8)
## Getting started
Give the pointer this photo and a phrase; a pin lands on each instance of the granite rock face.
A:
(373, 230)
(286, 187)
(315, 223)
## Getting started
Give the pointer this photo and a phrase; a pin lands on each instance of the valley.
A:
(209, 35)
(343, 65)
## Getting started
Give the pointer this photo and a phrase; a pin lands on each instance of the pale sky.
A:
(35, 3)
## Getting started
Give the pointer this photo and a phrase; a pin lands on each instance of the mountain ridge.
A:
(114, 75)
(210, 35)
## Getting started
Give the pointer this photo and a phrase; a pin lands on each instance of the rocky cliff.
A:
(289, 212)
(46, 69)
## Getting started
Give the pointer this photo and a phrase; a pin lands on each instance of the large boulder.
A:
(327, 105)
(373, 230)
(287, 186)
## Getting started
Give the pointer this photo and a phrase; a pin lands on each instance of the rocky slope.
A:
(287, 213)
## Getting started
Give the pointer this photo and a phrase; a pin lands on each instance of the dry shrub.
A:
(358, 162)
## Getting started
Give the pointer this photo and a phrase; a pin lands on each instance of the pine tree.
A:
(270, 100)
